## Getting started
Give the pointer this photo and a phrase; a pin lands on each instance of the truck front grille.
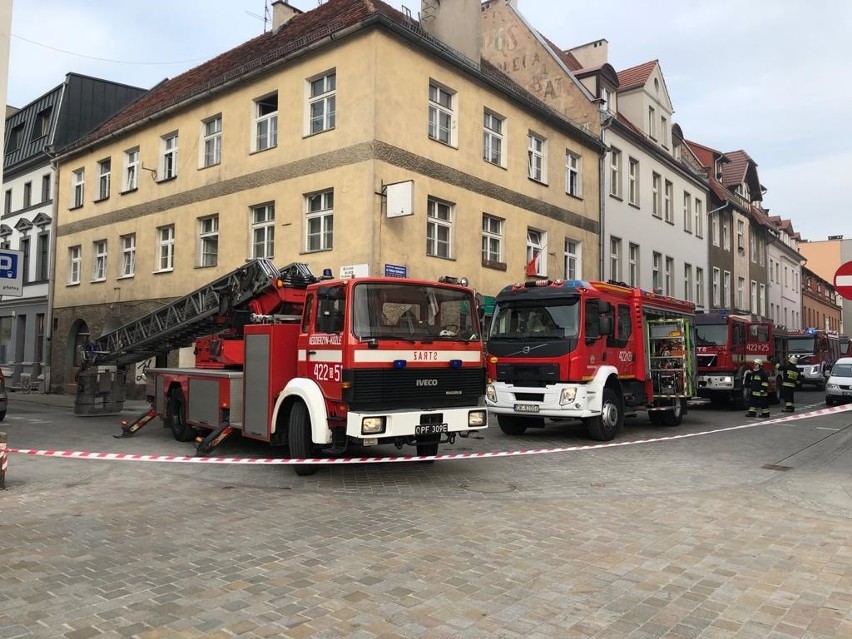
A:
(383, 389)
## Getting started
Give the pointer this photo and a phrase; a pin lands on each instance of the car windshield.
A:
(800, 345)
(711, 334)
(842, 370)
(413, 312)
(541, 320)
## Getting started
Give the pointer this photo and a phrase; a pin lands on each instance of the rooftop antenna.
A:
(264, 17)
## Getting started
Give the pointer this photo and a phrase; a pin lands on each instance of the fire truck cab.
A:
(816, 350)
(595, 351)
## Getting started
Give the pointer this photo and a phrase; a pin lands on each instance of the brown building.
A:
(824, 258)
(820, 302)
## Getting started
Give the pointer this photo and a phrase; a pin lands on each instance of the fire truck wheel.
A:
(176, 417)
(299, 438)
(673, 417)
(655, 417)
(512, 424)
(605, 426)
(428, 445)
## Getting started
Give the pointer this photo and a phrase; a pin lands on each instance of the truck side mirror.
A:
(605, 325)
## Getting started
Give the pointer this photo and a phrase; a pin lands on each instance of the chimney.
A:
(282, 13)
(456, 23)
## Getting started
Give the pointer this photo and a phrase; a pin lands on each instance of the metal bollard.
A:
(4, 461)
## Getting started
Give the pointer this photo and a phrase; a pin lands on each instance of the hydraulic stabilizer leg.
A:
(128, 429)
(208, 444)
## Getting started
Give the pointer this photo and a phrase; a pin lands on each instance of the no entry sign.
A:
(843, 280)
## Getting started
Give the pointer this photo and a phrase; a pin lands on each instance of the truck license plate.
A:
(431, 429)
(526, 408)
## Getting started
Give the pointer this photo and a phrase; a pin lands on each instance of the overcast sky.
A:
(770, 77)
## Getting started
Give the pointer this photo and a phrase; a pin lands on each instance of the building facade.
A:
(824, 258)
(785, 267)
(820, 303)
(352, 138)
(34, 133)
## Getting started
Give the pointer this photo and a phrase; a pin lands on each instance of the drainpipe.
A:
(608, 119)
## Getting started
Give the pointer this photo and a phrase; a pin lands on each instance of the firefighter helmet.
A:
(793, 360)
(758, 363)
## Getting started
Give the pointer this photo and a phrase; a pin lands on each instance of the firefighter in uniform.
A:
(789, 379)
(758, 396)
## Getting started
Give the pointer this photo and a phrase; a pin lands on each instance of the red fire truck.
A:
(817, 351)
(314, 364)
(589, 350)
(726, 346)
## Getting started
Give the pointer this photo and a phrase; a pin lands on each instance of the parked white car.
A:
(838, 387)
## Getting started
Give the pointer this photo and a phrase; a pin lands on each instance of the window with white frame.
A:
(633, 263)
(573, 260)
(741, 293)
(687, 283)
(687, 212)
(78, 188)
(208, 240)
(536, 257)
(615, 172)
(442, 117)
(439, 228)
(536, 157)
(319, 221)
(740, 235)
(104, 172)
(131, 170)
(716, 292)
(165, 248)
(46, 195)
(43, 256)
(633, 181)
(664, 131)
(99, 260)
(573, 174)
(652, 123)
(668, 204)
(752, 239)
(211, 138)
(726, 234)
(75, 260)
(699, 286)
(263, 231)
(715, 234)
(322, 102)
(169, 157)
(726, 289)
(265, 122)
(128, 255)
(657, 272)
(699, 218)
(492, 137)
(492, 239)
(754, 308)
(657, 195)
(615, 258)
(761, 300)
(669, 276)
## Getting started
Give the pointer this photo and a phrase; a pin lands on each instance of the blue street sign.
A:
(394, 270)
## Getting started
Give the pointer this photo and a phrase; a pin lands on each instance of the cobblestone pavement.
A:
(744, 533)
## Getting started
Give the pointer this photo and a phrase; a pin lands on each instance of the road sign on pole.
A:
(11, 273)
(843, 280)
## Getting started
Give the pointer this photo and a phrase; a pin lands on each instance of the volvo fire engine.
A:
(595, 351)
(726, 347)
(816, 350)
(315, 364)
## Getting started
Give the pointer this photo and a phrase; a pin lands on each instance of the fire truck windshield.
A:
(711, 334)
(413, 311)
(801, 345)
(536, 321)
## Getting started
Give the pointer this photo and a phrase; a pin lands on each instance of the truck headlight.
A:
(490, 393)
(567, 395)
(477, 418)
(832, 386)
(814, 370)
(372, 425)
(727, 380)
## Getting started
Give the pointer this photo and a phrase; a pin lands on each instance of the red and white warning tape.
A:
(335, 461)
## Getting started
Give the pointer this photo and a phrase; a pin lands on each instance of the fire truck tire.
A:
(655, 417)
(673, 417)
(299, 438)
(176, 417)
(428, 445)
(606, 426)
(512, 424)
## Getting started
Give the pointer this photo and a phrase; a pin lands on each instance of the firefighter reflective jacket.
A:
(759, 383)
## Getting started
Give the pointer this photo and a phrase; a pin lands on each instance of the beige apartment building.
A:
(350, 137)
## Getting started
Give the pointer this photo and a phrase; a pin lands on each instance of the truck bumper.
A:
(715, 383)
(410, 423)
(507, 399)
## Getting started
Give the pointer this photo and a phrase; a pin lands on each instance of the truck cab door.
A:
(322, 338)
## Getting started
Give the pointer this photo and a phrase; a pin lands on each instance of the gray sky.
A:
(770, 77)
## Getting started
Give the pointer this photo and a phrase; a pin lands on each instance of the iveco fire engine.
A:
(726, 347)
(588, 350)
(314, 364)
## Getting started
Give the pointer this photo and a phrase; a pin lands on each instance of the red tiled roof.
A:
(636, 76)
(566, 57)
(302, 29)
(705, 154)
(735, 171)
